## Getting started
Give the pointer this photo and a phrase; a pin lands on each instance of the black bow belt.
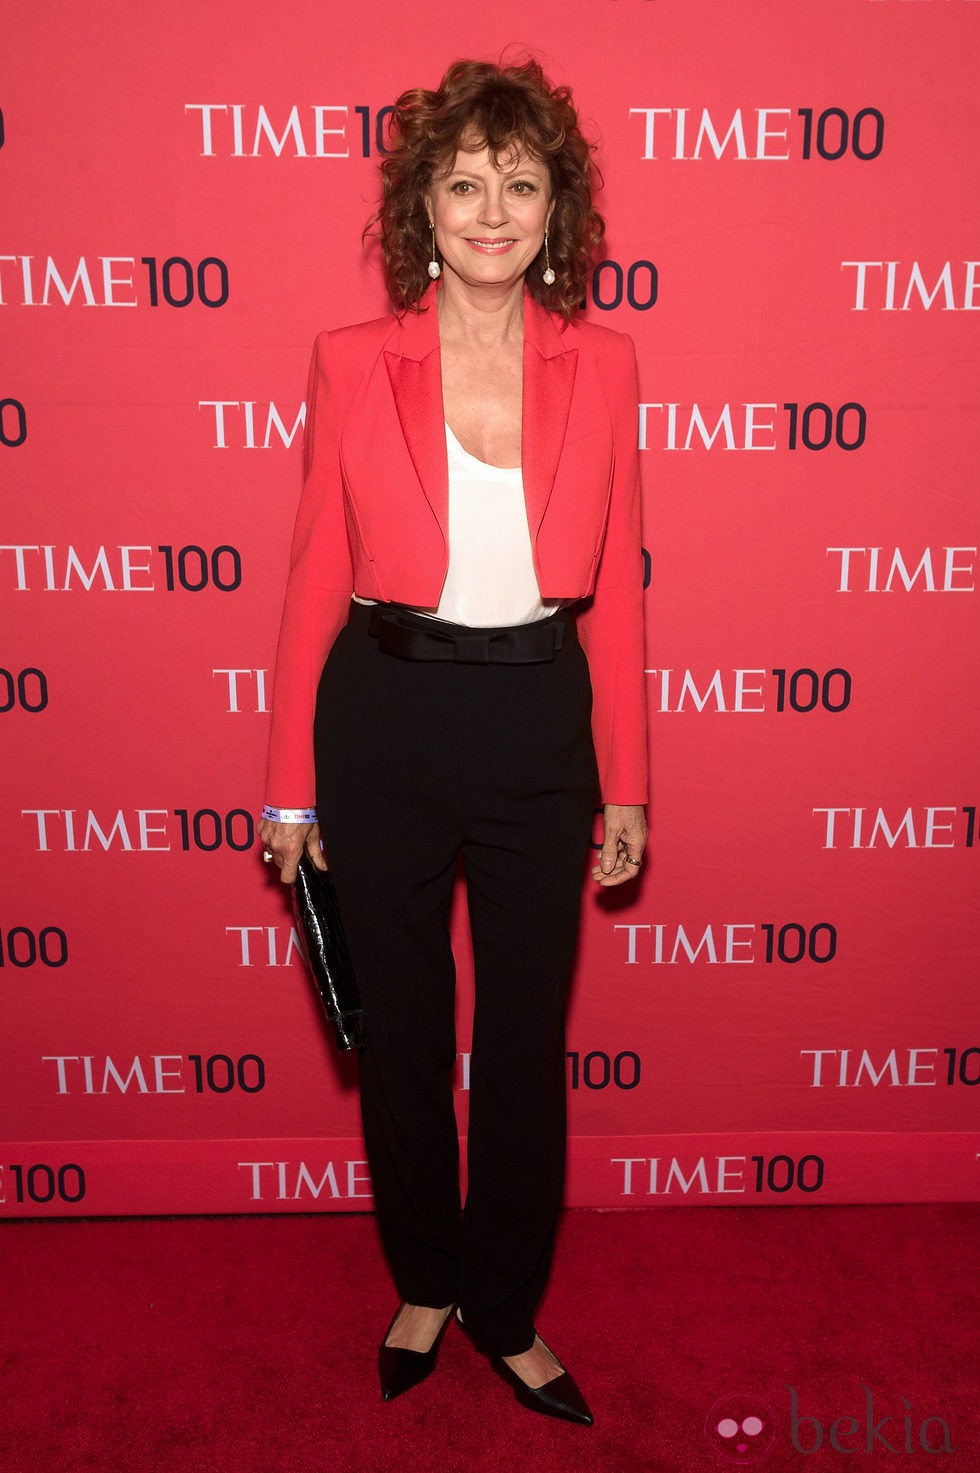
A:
(414, 637)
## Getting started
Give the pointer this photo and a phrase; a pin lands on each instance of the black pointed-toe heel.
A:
(558, 1398)
(400, 1369)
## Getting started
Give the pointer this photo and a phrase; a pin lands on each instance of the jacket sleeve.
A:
(611, 623)
(319, 589)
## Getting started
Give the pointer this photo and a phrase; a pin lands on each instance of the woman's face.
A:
(489, 219)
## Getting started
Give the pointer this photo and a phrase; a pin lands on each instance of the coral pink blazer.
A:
(373, 516)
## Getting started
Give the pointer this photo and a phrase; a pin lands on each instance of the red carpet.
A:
(246, 1345)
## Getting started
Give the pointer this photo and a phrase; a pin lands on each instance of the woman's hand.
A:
(287, 842)
(624, 840)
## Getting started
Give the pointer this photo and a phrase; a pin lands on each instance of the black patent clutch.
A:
(315, 903)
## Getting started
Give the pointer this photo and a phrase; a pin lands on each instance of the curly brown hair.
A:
(503, 109)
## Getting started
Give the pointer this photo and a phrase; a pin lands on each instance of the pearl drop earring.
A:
(547, 275)
(433, 268)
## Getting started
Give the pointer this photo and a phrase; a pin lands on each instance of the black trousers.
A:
(418, 763)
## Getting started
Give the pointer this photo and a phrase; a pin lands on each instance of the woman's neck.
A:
(487, 316)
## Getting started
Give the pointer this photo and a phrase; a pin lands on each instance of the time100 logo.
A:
(638, 284)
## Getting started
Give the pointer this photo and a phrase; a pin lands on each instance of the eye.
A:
(460, 186)
(524, 186)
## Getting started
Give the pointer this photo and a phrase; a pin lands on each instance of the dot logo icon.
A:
(741, 1427)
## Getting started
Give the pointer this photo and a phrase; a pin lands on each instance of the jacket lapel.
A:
(415, 375)
(549, 377)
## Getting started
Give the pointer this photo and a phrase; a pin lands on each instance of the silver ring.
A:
(267, 856)
(636, 862)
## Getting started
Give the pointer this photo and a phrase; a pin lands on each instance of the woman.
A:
(472, 486)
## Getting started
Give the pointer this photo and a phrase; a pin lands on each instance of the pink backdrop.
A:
(779, 1011)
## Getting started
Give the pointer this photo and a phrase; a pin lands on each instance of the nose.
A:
(494, 212)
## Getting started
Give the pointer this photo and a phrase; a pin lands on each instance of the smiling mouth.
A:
(491, 245)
